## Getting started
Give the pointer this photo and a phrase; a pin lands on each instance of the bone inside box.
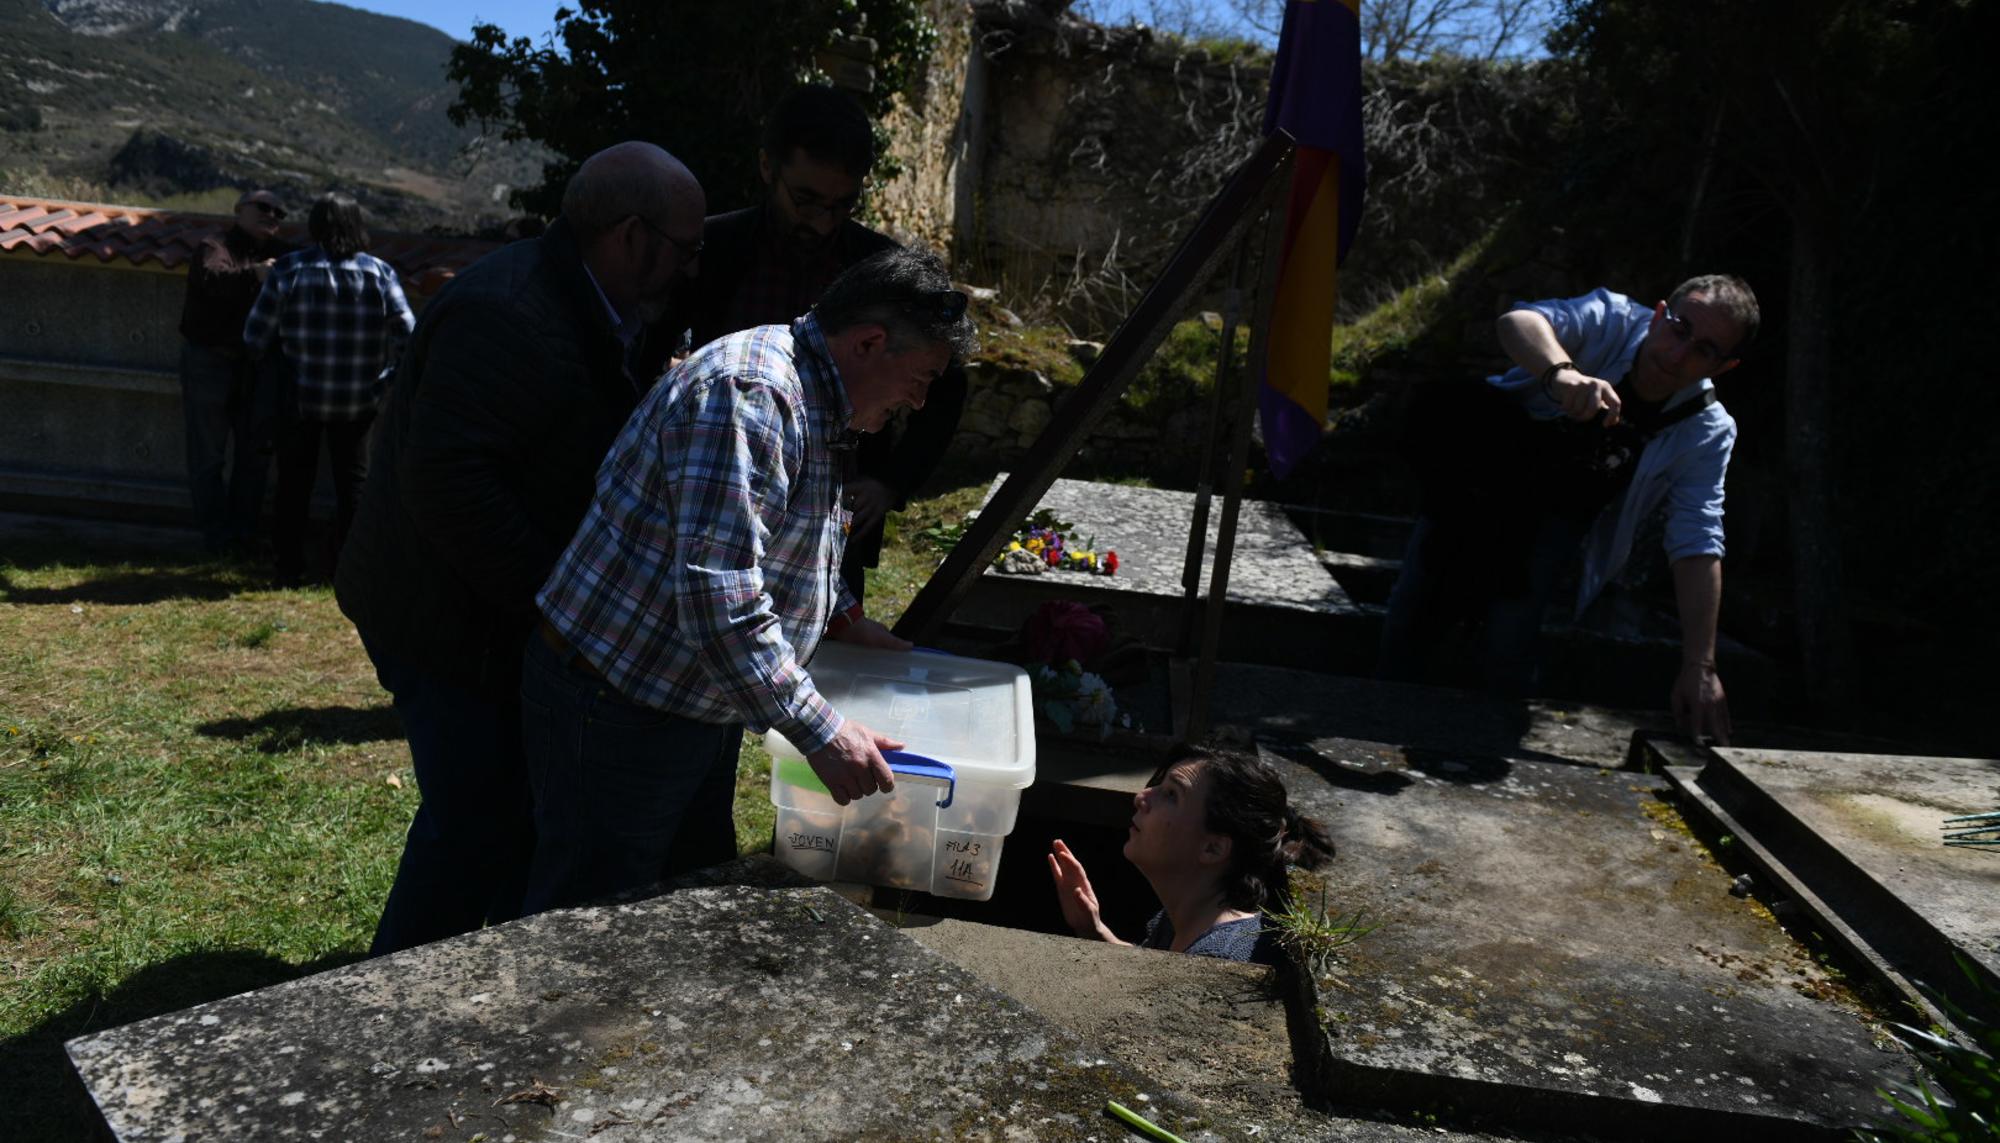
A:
(941, 830)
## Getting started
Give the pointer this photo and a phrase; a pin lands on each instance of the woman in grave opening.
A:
(1213, 834)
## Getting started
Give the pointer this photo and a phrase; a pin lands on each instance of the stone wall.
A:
(1007, 408)
(1097, 150)
(931, 131)
(1061, 161)
(88, 358)
(90, 394)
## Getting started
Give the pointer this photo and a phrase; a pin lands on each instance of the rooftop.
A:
(166, 239)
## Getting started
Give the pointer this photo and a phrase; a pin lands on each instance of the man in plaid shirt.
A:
(341, 322)
(704, 575)
(338, 317)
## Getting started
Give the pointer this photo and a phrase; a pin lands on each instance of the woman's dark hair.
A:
(1247, 804)
(908, 293)
(824, 122)
(337, 225)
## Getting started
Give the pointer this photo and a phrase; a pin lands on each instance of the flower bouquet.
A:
(1069, 650)
(1044, 542)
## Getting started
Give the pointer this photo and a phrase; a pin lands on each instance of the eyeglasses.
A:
(811, 205)
(689, 250)
(1705, 349)
(267, 210)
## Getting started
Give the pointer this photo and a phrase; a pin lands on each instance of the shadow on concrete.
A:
(279, 731)
(41, 1093)
(1465, 769)
(1358, 779)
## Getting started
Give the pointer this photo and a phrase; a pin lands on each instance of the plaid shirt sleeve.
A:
(740, 448)
(401, 320)
(261, 328)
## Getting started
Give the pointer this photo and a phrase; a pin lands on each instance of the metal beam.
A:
(1203, 691)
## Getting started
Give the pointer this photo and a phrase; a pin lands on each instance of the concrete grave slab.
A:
(724, 1012)
(1552, 951)
(1863, 833)
(1422, 721)
(1353, 721)
(1277, 587)
(1213, 1031)
(1274, 563)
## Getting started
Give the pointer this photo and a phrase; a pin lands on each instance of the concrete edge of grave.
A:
(1332, 1084)
(756, 872)
(1684, 767)
(1165, 1007)
(1687, 767)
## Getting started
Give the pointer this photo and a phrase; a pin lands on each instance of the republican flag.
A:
(1316, 96)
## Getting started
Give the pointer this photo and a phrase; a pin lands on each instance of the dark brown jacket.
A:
(485, 459)
(222, 285)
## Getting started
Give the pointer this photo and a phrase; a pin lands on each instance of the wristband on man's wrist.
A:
(1549, 377)
(842, 620)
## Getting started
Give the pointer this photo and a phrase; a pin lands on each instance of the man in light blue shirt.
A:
(1620, 417)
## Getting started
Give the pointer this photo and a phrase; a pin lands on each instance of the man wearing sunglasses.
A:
(1609, 413)
(516, 381)
(704, 576)
(770, 263)
(220, 397)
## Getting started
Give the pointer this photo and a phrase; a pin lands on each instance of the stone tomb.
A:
(1285, 606)
(1552, 949)
(1857, 841)
(723, 1012)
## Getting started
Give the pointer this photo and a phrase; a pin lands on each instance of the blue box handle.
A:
(917, 765)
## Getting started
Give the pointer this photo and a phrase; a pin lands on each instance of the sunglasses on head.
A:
(942, 306)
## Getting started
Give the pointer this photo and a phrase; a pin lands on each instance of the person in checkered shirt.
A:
(705, 574)
(337, 317)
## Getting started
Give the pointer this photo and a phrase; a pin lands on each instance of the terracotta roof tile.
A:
(168, 238)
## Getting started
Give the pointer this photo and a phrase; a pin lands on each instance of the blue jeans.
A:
(230, 421)
(465, 860)
(625, 794)
(1422, 608)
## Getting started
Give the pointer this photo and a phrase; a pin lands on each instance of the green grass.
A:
(1312, 934)
(907, 562)
(1042, 348)
(204, 791)
(1400, 322)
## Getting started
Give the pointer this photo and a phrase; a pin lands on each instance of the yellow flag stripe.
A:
(1302, 313)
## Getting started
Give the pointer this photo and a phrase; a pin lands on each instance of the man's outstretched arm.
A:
(1699, 705)
(1530, 342)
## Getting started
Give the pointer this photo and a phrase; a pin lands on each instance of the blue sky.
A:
(534, 18)
(456, 17)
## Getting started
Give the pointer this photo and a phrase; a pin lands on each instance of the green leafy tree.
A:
(696, 78)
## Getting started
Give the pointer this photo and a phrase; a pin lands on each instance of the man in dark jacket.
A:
(768, 264)
(219, 393)
(516, 382)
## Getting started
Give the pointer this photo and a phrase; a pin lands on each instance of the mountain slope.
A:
(167, 95)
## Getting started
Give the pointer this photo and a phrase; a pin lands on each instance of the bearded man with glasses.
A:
(771, 262)
(1608, 413)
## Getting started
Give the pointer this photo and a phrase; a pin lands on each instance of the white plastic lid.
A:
(973, 715)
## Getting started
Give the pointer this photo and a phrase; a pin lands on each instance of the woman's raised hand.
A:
(1075, 895)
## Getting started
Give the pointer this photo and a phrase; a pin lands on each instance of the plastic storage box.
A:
(969, 750)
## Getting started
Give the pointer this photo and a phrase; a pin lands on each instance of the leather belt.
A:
(569, 655)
